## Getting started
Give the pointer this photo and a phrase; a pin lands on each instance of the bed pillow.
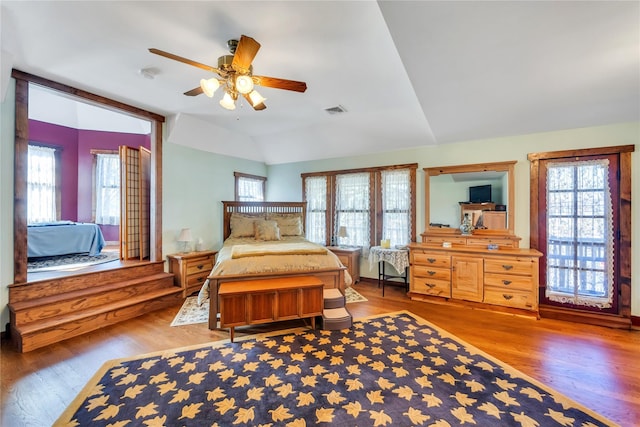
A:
(266, 230)
(289, 224)
(242, 224)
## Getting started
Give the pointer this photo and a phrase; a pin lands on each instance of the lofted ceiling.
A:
(408, 73)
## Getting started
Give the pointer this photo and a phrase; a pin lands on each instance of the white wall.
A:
(287, 182)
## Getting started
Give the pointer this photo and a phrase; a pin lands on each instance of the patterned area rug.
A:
(70, 262)
(394, 369)
(191, 313)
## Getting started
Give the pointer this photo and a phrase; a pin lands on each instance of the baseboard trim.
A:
(635, 322)
(587, 317)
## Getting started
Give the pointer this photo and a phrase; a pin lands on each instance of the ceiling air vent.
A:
(338, 109)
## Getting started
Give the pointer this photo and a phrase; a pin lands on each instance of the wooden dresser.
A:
(504, 277)
(191, 269)
(350, 258)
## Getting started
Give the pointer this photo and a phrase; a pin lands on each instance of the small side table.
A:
(398, 258)
(191, 269)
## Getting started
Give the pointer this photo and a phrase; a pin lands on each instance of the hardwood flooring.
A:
(595, 366)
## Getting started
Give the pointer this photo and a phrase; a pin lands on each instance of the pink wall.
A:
(76, 165)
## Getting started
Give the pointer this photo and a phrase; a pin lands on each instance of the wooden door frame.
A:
(21, 159)
(623, 318)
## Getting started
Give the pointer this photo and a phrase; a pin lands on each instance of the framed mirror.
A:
(485, 192)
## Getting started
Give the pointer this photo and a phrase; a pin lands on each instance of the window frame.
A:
(94, 170)
(622, 239)
(57, 154)
(238, 176)
(375, 199)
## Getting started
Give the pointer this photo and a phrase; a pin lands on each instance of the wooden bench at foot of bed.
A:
(253, 302)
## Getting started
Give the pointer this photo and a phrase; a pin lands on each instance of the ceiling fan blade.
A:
(194, 92)
(277, 83)
(184, 60)
(258, 107)
(245, 52)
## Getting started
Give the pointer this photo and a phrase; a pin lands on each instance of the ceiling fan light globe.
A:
(227, 102)
(209, 86)
(256, 98)
(244, 84)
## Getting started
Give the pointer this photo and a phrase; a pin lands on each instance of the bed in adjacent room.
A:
(266, 240)
(63, 238)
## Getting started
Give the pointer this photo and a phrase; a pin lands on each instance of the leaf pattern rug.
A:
(394, 369)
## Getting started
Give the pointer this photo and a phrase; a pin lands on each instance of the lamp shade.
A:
(256, 98)
(185, 235)
(342, 231)
(227, 102)
(209, 86)
(244, 84)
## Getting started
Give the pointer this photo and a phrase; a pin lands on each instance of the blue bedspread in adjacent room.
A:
(62, 238)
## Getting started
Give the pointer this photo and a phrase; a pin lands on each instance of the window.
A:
(370, 204)
(107, 188)
(583, 228)
(579, 233)
(41, 185)
(249, 188)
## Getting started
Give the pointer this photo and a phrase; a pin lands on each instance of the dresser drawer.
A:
(430, 259)
(508, 281)
(440, 240)
(197, 266)
(509, 265)
(431, 272)
(435, 287)
(197, 279)
(511, 298)
(503, 243)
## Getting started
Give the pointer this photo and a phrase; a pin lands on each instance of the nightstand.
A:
(350, 258)
(191, 269)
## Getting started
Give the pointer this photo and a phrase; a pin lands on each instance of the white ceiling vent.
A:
(338, 109)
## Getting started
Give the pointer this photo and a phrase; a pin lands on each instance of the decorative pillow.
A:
(242, 224)
(266, 230)
(289, 224)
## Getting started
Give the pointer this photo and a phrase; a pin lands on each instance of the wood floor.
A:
(596, 366)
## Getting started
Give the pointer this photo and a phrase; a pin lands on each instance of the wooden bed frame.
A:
(331, 278)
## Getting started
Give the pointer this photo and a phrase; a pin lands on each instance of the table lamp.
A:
(342, 233)
(185, 238)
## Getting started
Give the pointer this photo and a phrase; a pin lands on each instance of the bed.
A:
(63, 238)
(266, 240)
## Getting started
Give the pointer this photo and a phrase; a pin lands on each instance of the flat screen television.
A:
(480, 194)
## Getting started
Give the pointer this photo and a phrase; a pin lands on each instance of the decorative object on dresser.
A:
(350, 258)
(191, 269)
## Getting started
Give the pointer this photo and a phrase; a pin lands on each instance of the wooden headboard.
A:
(261, 207)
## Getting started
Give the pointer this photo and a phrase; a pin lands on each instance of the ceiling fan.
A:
(236, 75)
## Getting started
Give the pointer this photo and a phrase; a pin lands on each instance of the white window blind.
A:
(579, 233)
(107, 189)
(41, 184)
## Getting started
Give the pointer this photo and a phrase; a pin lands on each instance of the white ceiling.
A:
(410, 73)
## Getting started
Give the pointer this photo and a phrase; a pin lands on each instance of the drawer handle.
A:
(507, 297)
(506, 282)
(200, 266)
(430, 285)
(507, 266)
(201, 279)
(431, 260)
(431, 273)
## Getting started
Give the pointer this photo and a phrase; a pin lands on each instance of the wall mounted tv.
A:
(480, 194)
